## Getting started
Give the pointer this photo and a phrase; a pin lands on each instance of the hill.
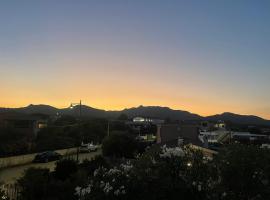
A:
(144, 111)
(239, 119)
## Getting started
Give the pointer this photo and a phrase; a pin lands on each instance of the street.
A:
(10, 175)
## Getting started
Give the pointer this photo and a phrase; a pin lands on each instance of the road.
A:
(10, 175)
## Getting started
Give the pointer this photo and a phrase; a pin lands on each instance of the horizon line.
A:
(135, 107)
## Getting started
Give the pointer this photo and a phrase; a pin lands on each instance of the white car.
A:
(88, 148)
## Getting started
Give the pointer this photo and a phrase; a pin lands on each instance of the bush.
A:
(14, 142)
(158, 174)
(65, 168)
(89, 166)
(34, 184)
(244, 172)
(40, 184)
(2, 194)
(119, 144)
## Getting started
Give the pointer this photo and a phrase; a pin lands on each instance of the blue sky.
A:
(202, 56)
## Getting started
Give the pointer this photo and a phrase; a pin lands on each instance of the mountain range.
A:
(144, 111)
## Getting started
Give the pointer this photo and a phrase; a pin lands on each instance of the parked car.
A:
(86, 148)
(47, 156)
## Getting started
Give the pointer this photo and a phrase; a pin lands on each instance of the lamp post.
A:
(72, 105)
(108, 128)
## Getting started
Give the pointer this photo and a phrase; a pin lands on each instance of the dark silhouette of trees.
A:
(119, 144)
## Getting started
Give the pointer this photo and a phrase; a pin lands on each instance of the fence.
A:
(12, 191)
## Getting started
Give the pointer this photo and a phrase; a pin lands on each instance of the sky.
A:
(206, 57)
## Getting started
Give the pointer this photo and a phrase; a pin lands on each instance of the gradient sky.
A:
(206, 56)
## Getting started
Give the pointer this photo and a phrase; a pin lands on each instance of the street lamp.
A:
(72, 105)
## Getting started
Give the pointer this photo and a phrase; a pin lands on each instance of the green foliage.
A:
(119, 144)
(89, 166)
(34, 183)
(123, 117)
(14, 142)
(94, 131)
(41, 184)
(65, 169)
(237, 172)
(65, 120)
(244, 172)
(52, 138)
(151, 176)
(59, 137)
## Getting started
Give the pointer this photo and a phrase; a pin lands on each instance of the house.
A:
(173, 134)
(145, 120)
(30, 124)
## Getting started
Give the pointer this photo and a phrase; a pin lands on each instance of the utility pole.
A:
(108, 128)
(80, 109)
(80, 127)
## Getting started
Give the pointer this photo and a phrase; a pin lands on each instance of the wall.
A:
(25, 159)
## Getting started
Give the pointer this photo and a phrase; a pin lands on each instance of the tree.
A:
(14, 142)
(123, 117)
(65, 168)
(244, 172)
(119, 144)
(65, 120)
(156, 175)
(91, 165)
(34, 184)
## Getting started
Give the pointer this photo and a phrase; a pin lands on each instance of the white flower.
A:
(153, 161)
(78, 190)
(117, 192)
(4, 197)
(171, 152)
(126, 167)
(113, 171)
(107, 188)
(102, 184)
(96, 172)
(83, 191)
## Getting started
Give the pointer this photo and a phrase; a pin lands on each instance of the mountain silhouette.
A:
(240, 119)
(144, 111)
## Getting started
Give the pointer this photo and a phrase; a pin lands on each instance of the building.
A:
(30, 124)
(140, 120)
(174, 134)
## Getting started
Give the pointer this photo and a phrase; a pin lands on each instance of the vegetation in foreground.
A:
(237, 172)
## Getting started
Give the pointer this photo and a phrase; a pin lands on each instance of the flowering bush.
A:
(107, 183)
(3, 195)
(244, 173)
(160, 173)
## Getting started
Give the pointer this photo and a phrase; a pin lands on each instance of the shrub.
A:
(158, 174)
(34, 184)
(244, 172)
(119, 144)
(91, 165)
(65, 168)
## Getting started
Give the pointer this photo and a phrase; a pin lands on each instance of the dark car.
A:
(47, 156)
